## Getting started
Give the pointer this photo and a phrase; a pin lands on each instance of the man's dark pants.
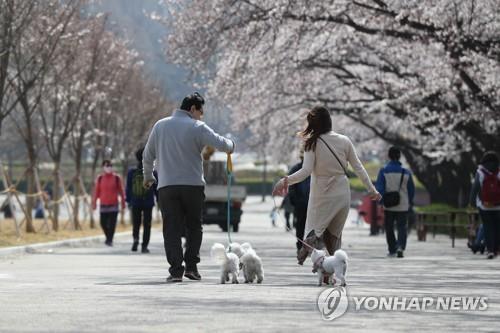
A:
(108, 225)
(491, 225)
(142, 215)
(400, 218)
(182, 210)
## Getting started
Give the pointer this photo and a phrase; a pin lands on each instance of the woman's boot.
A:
(332, 243)
(312, 241)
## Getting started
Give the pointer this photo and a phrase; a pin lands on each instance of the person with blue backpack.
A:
(141, 202)
(395, 183)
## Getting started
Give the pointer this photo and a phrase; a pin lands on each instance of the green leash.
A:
(229, 169)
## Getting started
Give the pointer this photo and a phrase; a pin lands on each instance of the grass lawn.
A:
(8, 233)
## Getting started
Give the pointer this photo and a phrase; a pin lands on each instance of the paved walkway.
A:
(98, 289)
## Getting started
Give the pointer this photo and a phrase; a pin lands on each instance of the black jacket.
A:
(299, 193)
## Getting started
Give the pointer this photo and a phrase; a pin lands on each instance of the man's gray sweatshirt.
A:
(175, 143)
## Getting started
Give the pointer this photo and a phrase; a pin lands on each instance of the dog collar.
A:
(319, 262)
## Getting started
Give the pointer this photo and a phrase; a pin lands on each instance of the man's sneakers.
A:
(174, 279)
(135, 245)
(490, 255)
(193, 275)
(399, 253)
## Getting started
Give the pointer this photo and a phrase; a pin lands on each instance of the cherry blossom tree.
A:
(419, 74)
(31, 57)
(14, 17)
(69, 85)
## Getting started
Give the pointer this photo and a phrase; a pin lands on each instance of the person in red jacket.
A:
(108, 187)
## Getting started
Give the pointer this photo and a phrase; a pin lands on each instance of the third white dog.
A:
(335, 267)
(251, 264)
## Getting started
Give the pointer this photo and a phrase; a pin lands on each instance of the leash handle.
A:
(229, 166)
(229, 169)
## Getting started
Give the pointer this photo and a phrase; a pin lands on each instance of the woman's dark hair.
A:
(394, 153)
(107, 162)
(490, 158)
(194, 99)
(318, 122)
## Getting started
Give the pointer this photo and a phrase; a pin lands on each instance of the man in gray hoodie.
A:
(175, 143)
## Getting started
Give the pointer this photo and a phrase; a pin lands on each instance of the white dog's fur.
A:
(236, 249)
(335, 267)
(230, 263)
(250, 262)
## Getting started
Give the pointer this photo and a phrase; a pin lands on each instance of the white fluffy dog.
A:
(230, 263)
(236, 249)
(335, 267)
(252, 264)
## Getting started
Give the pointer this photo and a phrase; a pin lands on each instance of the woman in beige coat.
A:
(326, 157)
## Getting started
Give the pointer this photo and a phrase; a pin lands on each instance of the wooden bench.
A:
(451, 220)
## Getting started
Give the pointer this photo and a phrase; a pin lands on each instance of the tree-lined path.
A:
(98, 289)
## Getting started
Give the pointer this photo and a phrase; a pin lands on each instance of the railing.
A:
(452, 220)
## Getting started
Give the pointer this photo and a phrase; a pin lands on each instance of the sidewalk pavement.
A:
(98, 289)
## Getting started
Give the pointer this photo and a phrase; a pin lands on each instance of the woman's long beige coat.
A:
(330, 195)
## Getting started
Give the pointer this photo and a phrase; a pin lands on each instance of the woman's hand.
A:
(375, 196)
(281, 187)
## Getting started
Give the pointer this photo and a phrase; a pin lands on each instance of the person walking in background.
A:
(274, 216)
(395, 183)
(326, 156)
(287, 206)
(477, 243)
(141, 202)
(485, 195)
(299, 198)
(176, 144)
(373, 214)
(108, 187)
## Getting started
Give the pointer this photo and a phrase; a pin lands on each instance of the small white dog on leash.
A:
(335, 267)
(230, 263)
(236, 249)
(250, 262)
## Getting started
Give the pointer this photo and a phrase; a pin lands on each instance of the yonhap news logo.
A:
(334, 302)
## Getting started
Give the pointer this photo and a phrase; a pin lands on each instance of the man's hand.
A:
(148, 183)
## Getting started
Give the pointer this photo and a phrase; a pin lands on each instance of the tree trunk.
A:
(446, 182)
(78, 192)
(93, 175)
(30, 179)
(56, 191)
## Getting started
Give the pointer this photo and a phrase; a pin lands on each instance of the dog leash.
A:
(300, 240)
(229, 169)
